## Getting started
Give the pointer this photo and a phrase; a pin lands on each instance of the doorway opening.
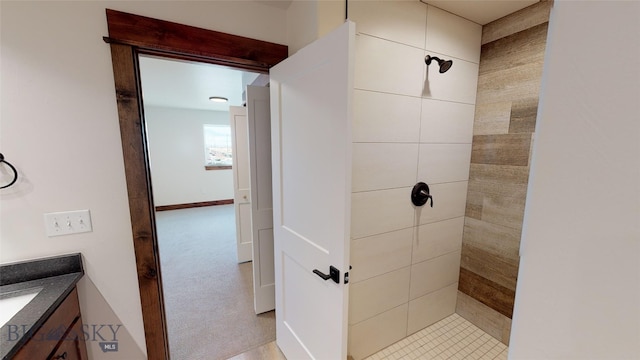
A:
(207, 283)
(130, 35)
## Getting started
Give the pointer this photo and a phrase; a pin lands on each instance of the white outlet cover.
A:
(67, 222)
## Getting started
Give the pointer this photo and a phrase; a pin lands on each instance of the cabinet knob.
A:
(61, 356)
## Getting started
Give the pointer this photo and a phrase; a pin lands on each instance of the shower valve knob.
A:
(420, 194)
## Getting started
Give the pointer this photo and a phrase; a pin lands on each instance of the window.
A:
(217, 147)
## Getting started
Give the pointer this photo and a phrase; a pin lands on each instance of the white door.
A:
(311, 94)
(261, 198)
(241, 181)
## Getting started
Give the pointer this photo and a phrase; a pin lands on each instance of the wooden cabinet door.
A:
(73, 346)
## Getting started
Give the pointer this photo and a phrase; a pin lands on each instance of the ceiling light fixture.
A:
(218, 99)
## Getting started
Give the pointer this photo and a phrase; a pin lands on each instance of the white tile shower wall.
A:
(450, 202)
(378, 332)
(410, 125)
(436, 239)
(378, 294)
(453, 35)
(441, 163)
(380, 118)
(458, 84)
(432, 307)
(378, 254)
(377, 212)
(389, 67)
(446, 122)
(431, 275)
(397, 160)
(402, 22)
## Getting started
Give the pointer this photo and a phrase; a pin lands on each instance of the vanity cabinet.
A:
(60, 337)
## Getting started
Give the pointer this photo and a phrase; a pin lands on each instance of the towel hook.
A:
(15, 172)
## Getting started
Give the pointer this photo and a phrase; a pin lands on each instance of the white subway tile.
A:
(434, 274)
(431, 308)
(381, 117)
(375, 255)
(386, 66)
(379, 166)
(377, 212)
(436, 239)
(453, 35)
(371, 335)
(449, 201)
(378, 294)
(446, 122)
(400, 21)
(458, 84)
(444, 163)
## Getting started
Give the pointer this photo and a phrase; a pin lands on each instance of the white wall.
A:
(59, 127)
(578, 293)
(308, 20)
(408, 127)
(176, 156)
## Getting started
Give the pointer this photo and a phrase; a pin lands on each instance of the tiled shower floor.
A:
(450, 338)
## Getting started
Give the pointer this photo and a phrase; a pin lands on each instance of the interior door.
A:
(259, 126)
(241, 181)
(311, 95)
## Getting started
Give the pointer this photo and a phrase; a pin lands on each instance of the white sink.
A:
(11, 303)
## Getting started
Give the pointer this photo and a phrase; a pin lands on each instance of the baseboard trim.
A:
(194, 205)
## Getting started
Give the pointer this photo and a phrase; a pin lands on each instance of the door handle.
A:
(334, 274)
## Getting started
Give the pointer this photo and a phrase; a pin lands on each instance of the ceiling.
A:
(282, 4)
(481, 11)
(478, 11)
(188, 85)
(182, 84)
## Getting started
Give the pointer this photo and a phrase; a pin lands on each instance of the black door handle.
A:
(334, 274)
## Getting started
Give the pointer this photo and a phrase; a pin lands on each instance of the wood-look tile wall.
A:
(506, 107)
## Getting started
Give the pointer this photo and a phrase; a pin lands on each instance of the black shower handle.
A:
(420, 194)
(429, 197)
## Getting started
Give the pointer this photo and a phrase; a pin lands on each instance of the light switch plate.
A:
(67, 222)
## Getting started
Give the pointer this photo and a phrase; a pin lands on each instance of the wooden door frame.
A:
(130, 35)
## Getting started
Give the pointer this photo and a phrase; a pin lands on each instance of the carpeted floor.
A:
(208, 295)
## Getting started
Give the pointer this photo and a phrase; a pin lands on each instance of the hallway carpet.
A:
(208, 295)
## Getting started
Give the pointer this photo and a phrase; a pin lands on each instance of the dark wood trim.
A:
(126, 78)
(194, 205)
(188, 42)
(130, 35)
(216, 167)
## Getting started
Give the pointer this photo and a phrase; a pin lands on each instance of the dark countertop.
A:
(56, 276)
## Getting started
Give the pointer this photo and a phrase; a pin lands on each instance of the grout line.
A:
(412, 96)
(410, 143)
(409, 186)
(425, 49)
(416, 216)
(394, 41)
(380, 313)
(408, 227)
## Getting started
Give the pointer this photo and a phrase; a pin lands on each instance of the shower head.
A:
(444, 64)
